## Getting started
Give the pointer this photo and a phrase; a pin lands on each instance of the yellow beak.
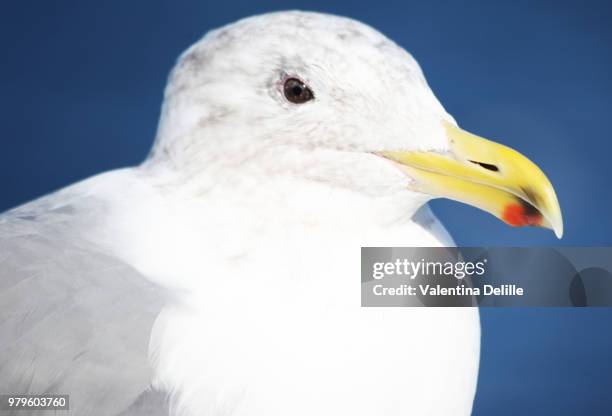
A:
(487, 175)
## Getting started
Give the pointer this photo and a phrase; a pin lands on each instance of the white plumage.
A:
(233, 250)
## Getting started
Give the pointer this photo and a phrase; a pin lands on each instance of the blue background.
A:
(81, 86)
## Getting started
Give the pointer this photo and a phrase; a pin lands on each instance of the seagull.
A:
(222, 275)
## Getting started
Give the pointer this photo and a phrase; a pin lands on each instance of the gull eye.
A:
(296, 91)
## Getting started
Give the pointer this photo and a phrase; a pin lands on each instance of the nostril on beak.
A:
(487, 166)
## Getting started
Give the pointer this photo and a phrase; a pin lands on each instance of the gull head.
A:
(332, 100)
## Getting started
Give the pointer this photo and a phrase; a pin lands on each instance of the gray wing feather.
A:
(73, 320)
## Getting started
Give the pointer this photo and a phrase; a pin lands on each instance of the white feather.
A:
(250, 214)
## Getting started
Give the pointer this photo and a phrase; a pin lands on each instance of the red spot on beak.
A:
(519, 215)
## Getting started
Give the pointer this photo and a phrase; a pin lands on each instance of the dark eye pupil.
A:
(296, 91)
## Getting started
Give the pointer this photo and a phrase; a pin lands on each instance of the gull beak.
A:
(487, 175)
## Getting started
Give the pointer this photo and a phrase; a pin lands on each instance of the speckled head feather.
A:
(224, 101)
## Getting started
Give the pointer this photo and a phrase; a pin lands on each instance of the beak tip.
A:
(557, 219)
(557, 227)
(559, 231)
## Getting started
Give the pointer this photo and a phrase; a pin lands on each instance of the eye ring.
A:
(296, 91)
